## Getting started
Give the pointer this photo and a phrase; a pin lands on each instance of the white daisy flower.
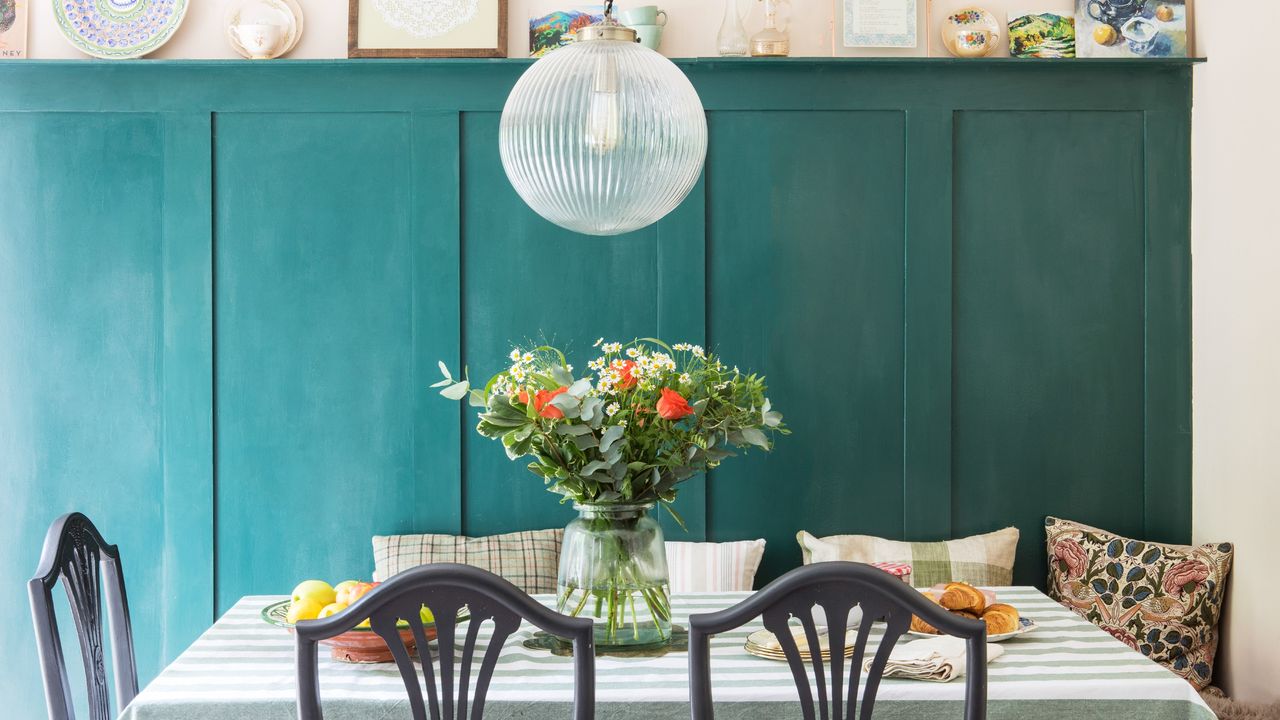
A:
(686, 379)
(633, 352)
(515, 355)
(612, 347)
(518, 372)
(597, 364)
(612, 409)
(597, 342)
(681, 346)
(526, 358)
(698, 351)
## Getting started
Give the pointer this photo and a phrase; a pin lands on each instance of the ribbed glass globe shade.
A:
(603, 137)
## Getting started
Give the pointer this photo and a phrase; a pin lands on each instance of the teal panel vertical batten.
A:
(682, 317)
(187, 381)
(1167, 346)
(926, 351)
(437, 230)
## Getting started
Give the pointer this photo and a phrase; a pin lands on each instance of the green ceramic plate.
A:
(277, 614)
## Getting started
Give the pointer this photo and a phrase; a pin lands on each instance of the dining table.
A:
(242, 668)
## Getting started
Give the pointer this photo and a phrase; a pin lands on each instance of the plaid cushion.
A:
(1162, 600)
(528, 559)
(977, 560)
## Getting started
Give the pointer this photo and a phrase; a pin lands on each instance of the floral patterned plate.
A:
(1025, 625)
(969, 18)
(118, 29)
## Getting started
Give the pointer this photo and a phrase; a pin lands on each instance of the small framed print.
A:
(880, 23)
(427, 28)
(13, 29)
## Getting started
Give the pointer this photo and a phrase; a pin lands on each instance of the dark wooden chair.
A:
(836, 587)
(445, 588)
(75, 554)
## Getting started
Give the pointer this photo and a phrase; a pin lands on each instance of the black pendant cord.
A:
(608, 8)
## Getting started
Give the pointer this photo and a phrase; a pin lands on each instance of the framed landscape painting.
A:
(1131, 28)
(427, 28)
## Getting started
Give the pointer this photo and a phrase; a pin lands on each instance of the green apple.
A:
(427, 617)
(315, 590)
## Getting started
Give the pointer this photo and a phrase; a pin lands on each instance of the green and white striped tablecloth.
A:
(242, 669)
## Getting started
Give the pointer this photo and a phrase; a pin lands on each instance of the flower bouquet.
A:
(617, 442)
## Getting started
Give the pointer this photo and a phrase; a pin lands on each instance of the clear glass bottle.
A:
(771, 41)
(732, 39)
(613, 569)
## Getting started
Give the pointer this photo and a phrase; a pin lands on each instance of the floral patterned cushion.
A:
(1161, 600)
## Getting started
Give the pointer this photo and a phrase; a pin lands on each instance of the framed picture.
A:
(1131, 28)
(13, 29)
(427, 28)
(880, 23)
(1042, 35)
(550, 31)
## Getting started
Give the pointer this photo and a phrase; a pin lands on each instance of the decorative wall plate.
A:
(285, 13)
(970, 18)
(118, 29)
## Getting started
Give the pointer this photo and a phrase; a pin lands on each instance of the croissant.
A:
(919, 625)
(1000, 619)
(966, 614)
(961, 596)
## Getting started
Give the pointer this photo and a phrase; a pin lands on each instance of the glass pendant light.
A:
(603, 136)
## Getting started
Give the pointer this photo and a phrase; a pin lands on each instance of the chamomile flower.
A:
(526, 358)
(698, 352)
(612, 409)
(515, 355)
(612, 347)
(686, 379)
(681, 346)
(633, 352)
(597, 342)
(596, 365)
(517, 372)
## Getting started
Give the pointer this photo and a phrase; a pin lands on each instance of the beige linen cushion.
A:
(713, 566)
(977, 560)
(528, 559)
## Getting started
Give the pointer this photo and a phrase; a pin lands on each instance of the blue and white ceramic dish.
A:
(118, 29)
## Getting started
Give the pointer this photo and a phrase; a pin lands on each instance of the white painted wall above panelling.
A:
(814, 27)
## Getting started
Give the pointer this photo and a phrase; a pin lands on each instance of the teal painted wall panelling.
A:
(88, 324)
(805, 283)
(322, 232)
(329, 302)
(1048, 303)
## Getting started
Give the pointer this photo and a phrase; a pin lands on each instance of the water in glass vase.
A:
(613, 569)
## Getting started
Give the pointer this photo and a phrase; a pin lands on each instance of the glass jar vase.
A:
(613, 569)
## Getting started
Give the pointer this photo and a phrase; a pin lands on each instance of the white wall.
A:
(692, 29)
(1236, 289)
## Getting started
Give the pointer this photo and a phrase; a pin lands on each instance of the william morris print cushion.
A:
(1161, 600)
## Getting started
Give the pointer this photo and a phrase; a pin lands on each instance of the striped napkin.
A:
(940, 659)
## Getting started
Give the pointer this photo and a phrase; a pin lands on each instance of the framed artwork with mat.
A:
(427, 28)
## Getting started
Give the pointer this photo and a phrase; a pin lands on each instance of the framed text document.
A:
(880, 23)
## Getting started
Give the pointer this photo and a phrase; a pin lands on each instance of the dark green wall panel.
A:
(1048, 390)
(805, 228)
(224, 288)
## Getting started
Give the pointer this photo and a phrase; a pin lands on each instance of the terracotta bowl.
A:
(354, 646)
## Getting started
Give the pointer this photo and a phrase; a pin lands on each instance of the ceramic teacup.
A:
(650, 35)
(975, 42)
(643, 15)
(260, 40)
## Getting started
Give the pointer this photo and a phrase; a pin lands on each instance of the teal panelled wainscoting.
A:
(224, 287)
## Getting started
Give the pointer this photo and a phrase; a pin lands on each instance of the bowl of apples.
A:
(314, 599)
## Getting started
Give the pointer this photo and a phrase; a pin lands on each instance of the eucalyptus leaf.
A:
(444, 370)
(585, 442)
(580, 388)
(755, 437)
(561, 375)
(457, 391)
(567, 404)
(593, 466)
(476, 399)
(590, 408)
(442, 383)
(611, 434)
(572, 429)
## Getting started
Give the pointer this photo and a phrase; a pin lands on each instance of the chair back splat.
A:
(445, 588)
(89, 569)
(836, 587)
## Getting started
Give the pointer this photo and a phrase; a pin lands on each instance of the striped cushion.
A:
(977, 560)
(528, 559)
(713, 567)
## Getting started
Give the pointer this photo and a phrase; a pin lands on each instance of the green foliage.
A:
(649, 418)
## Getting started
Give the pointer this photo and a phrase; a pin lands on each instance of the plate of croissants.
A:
(1003, 621)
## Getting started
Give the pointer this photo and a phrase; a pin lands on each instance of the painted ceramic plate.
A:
(764, 644)
(1025, 625)
(285, 13)
(118, 29)
(277, 614)
(970, 18)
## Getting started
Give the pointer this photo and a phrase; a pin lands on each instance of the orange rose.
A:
(624, 368)
(672, 405)
(524, 396)
(542, 403)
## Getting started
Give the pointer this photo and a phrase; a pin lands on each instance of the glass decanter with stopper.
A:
(732, 39)
(771, 41)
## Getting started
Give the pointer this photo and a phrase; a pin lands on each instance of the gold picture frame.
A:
(393, 37)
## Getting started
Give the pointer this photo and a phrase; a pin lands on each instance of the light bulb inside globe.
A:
(604, 119)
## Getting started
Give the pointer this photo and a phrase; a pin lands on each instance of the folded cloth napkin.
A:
(940, 659)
